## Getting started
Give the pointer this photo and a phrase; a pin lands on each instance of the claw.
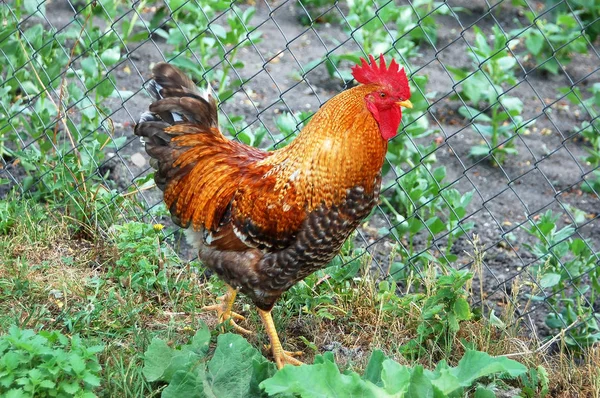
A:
(224, 312)
(283, 357)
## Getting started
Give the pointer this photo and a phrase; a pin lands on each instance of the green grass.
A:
(123, 287)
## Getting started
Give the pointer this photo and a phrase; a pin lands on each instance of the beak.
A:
(405, 103)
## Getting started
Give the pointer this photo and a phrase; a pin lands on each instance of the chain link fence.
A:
(497, 164)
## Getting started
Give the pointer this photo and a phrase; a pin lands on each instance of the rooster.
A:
(263, 221)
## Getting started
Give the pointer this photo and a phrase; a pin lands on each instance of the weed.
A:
(551, 44)
(47, 364)
(377, 30)
(562, 264)
(501, 115)
(442, 304)
(141, 264)
(587, 12)
(590, 131)
(535, 383)
(197, 36)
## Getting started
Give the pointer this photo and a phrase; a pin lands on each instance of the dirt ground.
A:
(544, 175)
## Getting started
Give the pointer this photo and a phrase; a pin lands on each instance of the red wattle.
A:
(388, 120)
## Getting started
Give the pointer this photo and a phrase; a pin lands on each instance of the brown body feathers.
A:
(263, 220)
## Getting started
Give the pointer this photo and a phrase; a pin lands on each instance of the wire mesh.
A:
(502, 143)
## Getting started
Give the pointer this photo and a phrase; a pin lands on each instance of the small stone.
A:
(138, 159)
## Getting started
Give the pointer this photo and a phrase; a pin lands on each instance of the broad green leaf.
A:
(48, 384)
(472, 113)
(89, 66)
(420, 385)
(395, 377)
(186, 384)
(91, 379)
(550, 279)
(319, 380)
(534, 42)
(462, 309)
(201, 340)
(232, 367)
(158, 356)
(435, 225)
(111, 56)
(476, 364)
(218, 31)
(483, 392)
(77, 363)
(512, 103)
(375, 366)
(479, 150)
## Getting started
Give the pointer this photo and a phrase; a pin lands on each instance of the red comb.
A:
(392, 77)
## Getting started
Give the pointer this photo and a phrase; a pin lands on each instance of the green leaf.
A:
(16, 393)
(89, 66)
(472, 113)
(111, 56)
(91, 379)
(462, 310)
(232, 367)
(158, 356)
(218, 31)
(32, 6)
(550, 279)
(319, 380)
(47, 384)
(534, 42)
(186, 384)
(476, 364)
(77, 363)
(483, 392)
(512, 104)
(69, 388)
(395, 377)
(420, 385)
(435, 225)
(374, 367)
(479, 150)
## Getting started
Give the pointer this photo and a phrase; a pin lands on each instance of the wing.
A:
(213, 184)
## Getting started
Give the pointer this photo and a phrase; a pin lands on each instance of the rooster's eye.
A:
(382, 95)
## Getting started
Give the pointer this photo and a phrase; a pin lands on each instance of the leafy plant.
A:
(238, 370)
(535, 383)
(142, 263)
(384, 377)
(47, 364)
(419, 197)
(589, 130)
(562, 263)
(312, 296)
(234, 370)
(377, 30)
(499, 116)
(587, 11)
(196, 37)
(62, 155)
(443, 306)
(552, 43)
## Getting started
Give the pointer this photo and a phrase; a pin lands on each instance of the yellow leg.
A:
(281, 356)
(224, 313)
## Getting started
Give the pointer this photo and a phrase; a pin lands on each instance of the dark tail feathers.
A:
(177, 100)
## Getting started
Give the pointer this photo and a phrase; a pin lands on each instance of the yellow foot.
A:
(224, 312)
(284, 357)
(281, 356)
